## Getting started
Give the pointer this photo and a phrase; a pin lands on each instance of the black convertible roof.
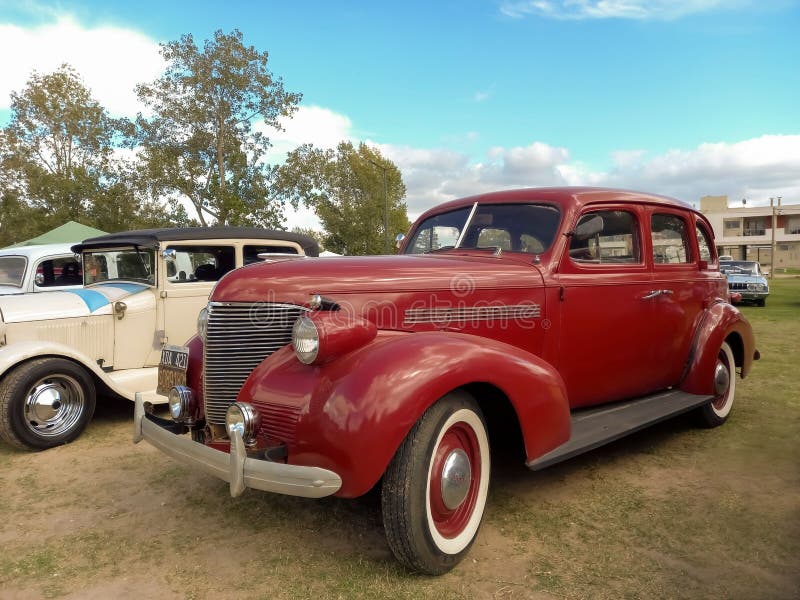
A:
(150, 238)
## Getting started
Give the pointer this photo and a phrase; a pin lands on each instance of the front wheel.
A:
(434, 491)
(716, 412)
(45, 403)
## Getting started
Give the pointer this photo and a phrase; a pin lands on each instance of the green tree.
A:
(58, 154)
(346, 189)
(201, 144)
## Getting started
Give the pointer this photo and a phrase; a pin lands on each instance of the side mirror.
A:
(589, 227)
(38, 279)
(398, 239)
(169, 255)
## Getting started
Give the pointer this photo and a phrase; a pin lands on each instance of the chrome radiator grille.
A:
(735, 285)
(240, 335)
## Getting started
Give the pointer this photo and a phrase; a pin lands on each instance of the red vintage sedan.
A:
(564, 317)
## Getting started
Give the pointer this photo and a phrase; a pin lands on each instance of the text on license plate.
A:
(172, 368)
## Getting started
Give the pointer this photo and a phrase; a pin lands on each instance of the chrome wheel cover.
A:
(54, 405)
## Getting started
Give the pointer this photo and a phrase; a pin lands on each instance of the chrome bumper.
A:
(236, 468)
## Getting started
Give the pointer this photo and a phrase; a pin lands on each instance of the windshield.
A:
(739, 267)
(127, 264)
(12, 270)
(528, 228)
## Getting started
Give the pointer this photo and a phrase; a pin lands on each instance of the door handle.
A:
(652, 294)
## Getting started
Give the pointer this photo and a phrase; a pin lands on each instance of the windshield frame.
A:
(748, 268)
(91, 272)
(469, 229)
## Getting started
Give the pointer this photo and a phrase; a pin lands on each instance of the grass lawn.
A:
(671, 512)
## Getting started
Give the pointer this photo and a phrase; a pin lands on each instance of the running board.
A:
(594, 427)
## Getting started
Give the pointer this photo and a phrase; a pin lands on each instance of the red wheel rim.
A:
(450, 522)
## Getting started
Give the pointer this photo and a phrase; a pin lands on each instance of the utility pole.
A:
(385, 207)
(775, 211)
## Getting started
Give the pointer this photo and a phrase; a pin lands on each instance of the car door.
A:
(683, 282)
(606, 307)
(189, 276)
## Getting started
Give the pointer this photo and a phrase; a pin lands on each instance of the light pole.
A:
(385, 207)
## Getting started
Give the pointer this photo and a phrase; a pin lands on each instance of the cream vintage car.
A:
(142, 293)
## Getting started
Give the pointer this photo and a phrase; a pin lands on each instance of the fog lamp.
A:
(244, 419)
(182, 405)
(305, 340)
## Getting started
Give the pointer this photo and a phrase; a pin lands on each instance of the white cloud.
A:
(315, 125)
(612, 9)
(754, 169)
(111, 60)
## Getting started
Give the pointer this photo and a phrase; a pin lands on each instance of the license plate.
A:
(172, 368)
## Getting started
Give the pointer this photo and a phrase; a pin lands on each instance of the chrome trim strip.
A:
(464, 314)
(236, 468)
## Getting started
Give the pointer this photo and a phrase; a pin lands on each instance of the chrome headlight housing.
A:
(202, 323)
(182, 404)
(244, 419)
(305, 340)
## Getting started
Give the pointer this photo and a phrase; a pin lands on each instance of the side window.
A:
(200, 263)
(606, 237)
(251, 252)
(670, 240)
(57, 272)
(704, 244)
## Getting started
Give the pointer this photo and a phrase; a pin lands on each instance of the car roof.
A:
(37, 251)
(151, 238)
(562, 196)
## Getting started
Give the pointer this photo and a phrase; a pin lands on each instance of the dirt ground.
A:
(102, 518)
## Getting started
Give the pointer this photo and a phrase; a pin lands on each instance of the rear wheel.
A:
(44, 403)
(434, 491)
(716, 412)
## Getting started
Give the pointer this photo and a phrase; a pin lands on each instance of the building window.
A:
(732, 223)
(792, 225)
(754, 226)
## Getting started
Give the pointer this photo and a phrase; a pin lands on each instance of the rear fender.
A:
(353, 412)
(721, 322)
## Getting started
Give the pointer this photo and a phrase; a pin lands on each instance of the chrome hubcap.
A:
(456, 477)
(54, 405)
(722, 379)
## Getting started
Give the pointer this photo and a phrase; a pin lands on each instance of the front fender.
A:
(18, 352)
(721, 322)
(353, 412)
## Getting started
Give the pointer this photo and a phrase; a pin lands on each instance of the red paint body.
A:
(578, 334)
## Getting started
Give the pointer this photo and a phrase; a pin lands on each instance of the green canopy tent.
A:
(70, 231)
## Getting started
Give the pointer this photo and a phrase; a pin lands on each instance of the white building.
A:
(746, 233)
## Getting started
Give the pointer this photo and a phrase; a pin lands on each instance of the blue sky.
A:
(680, 97)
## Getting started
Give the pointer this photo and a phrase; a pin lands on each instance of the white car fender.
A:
(18, 352)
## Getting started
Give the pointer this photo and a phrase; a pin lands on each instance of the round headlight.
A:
(305, 340)
(244, 419)
(181, 404)
(202, 323)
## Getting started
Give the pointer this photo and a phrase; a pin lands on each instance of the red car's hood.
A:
(295, 280)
